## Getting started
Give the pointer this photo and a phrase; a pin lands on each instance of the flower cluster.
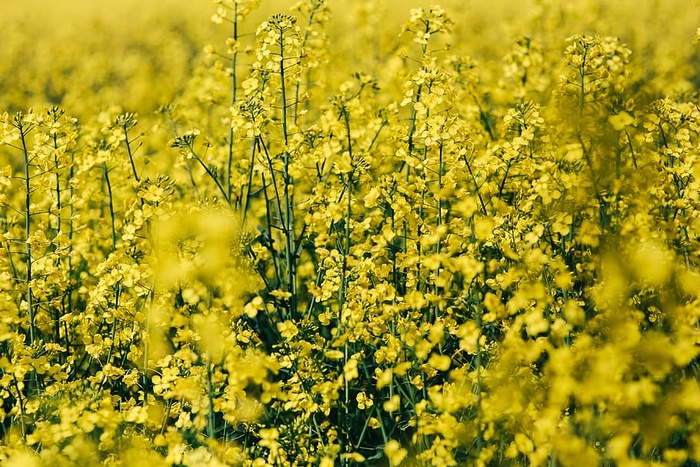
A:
(426, 252)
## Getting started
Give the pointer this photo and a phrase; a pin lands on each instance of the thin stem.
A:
(111, 205)
(344, 270)
(211, 430)
(249, 185)
(505, 177)
(419, 223)
(348, 214)
(478, 363)
(23, 427)
(412, 130)
(127, 143)
(476, 185)
(346, 252)
(234, 97)
(269, 237)
(71, 230)
(27, 229)
(288, 219)
(211, 174)
(58, 183)
(307, 34)
(148, 324)
(582, 75)
(439, 200)
(278, 202)
(283, 96)
(438, 245)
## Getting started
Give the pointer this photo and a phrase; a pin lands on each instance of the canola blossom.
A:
(334, 233)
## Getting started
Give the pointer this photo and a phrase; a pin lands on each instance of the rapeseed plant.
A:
(431, 248)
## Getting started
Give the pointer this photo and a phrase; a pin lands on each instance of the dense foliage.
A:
(473, 239)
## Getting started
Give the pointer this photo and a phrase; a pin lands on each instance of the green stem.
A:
(211, 430)
(127, 143)
(71, 230)
(58, 184)
(348, 213)
(234, 89)
(476, 185)
(249, 185)
(440, 170)
(27, 229)
(582, 75)
(211, 175)
(273, 182)
(307, 34)
(478, 363)
(20, 401)
(105, 170)
(288, 219)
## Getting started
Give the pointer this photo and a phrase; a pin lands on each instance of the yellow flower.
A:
(287, 329)
(620, 121)
(24, 459)
(394, 452)
(353, 456)
(440, 362)
(392, 404)
(363, 401)
(384, 377)
(334, 354)
(350, 370)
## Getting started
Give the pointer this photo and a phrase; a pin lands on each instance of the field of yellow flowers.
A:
(334, 233)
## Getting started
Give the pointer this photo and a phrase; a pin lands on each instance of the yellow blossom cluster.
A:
(352, 233)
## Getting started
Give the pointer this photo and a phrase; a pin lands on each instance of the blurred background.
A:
(89, 54)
